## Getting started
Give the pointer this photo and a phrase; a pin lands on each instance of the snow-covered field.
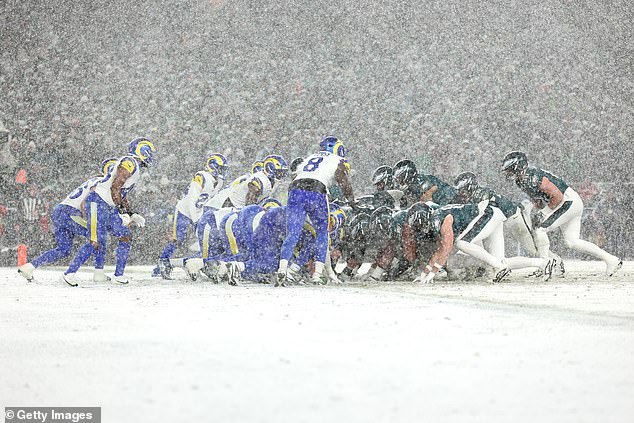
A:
(179, 351)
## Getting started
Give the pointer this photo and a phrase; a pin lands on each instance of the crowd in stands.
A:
(251, 78)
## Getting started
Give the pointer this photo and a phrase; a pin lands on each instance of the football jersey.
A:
(240, 188)
(75, 198)
(203, 187)
(320, 166)
(532, 180)
(463, 214)
(508, 207)
(103, 186)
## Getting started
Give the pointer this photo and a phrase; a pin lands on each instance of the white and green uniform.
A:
(567, 215)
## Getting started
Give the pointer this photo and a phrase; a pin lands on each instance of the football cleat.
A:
(548, 269)
(26, 271)
(193, 266)
(613, 268)
(71, 279)
(501, 274)
(233, 273)
(280, 279)
(211, 271)
(316, 279)
(100, 276)
(122, 279)
(166, 269)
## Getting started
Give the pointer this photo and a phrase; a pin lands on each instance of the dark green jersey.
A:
(531, 180)
(444, 195)
(463, 214)
(508, 207)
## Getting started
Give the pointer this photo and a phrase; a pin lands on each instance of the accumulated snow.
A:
(519, 351)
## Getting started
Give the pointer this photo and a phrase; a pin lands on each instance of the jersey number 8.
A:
(313, 164)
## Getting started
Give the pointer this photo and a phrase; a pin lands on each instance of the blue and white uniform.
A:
(102, 217)
(189, 208)
(68, 222)
(308, 197)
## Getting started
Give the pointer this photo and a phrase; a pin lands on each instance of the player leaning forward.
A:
(560, 207)
(308, 196)
(108, 211)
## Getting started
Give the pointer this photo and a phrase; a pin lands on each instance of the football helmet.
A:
(268, 203)
(257, 166)
(336, 218)
(359, 226)
(295, 164)
(275, 166)
(383, 178)
(143, 149)
(405, 173)
(217, 165)
(419, 217)
(381, 220)
(466, 185)
(107, 165)
(515, 162)
(332, 145)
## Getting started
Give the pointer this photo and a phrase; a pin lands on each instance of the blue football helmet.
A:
(336, 218)
(257, 166)
(275, 166)
(332, 145)
(143, 149)
(107, 165)
(217, 165)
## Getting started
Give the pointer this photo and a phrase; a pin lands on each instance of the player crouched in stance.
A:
(465, 227)
(307, 196)
(69, 221)
(560, 207)
(189, 209)
(108, 211)
(517, 223)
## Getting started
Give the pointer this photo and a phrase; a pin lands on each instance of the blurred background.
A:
(452, 84)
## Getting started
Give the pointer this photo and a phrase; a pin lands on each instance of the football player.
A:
(560, 207)
(464, 226)
(189, 208)
(517, 222)
(69, 221)
(108, 210)
(307, 196)
(419, 187)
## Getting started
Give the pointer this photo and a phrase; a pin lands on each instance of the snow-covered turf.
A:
(179, 351)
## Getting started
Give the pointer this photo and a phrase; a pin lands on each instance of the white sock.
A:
(283, 266)
(319, 268)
